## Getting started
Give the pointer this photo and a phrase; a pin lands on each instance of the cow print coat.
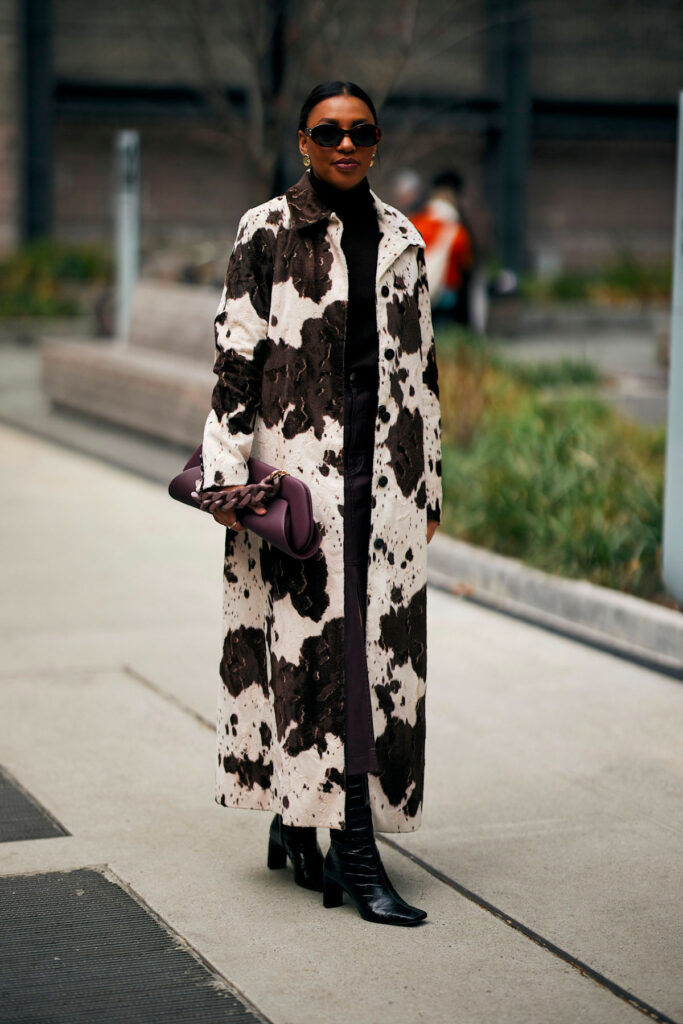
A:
(279, 332)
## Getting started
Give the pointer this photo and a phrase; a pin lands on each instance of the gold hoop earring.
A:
(373, 160)
(307, 160)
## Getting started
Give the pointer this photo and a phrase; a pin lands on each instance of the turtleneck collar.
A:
(339, 199)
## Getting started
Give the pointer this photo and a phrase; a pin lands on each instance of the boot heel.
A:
(333, 894)
(277, 856)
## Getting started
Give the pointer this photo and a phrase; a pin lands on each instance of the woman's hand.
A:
(432, 526)
(227, 517)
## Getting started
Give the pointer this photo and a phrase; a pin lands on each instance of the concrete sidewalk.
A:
(549, 858)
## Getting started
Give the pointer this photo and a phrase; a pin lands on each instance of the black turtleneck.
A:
(360, 240)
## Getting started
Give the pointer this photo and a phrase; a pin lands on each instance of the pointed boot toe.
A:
(359, 872)
(353, 866)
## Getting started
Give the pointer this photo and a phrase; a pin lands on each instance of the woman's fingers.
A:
(223, 518)
(222, 504)
(228, 519)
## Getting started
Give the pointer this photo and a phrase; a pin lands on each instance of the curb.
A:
(626, 625)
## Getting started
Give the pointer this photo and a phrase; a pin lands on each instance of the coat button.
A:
(385, 291)
(389, 353)
(383, 481)
(385, 415)
(378, 543)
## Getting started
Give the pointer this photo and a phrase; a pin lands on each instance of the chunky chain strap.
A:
(247, 495)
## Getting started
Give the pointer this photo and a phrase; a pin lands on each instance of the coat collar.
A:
(307, 207)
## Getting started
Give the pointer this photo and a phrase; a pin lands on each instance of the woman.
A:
(326, 368)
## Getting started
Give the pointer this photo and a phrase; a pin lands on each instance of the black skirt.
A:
(360, 408)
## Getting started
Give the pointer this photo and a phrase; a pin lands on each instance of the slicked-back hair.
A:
(324, 90)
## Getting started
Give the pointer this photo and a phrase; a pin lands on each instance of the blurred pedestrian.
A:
(326, 367)
(408, 191)
(449, 249)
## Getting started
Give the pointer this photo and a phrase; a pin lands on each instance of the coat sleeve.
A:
(431, 409)
(240, 332)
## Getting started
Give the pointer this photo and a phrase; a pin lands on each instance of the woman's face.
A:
(343, 165)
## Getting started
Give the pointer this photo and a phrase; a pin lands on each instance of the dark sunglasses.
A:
(329, 135)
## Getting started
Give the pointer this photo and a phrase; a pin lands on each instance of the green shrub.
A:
(32, 279)
(567, 372)
(622, 279)
(646, 281)
(563, 483)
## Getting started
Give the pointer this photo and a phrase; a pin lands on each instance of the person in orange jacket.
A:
(449, 250)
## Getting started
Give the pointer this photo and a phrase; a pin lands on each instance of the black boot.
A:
(353, 865)
(300, 844)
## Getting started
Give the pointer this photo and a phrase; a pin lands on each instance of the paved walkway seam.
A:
(170, 697)
(113, 876)
(573, 961)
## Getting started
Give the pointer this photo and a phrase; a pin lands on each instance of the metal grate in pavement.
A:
(21, 816)
(75, 947)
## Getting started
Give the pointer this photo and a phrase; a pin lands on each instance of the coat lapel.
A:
(396, 230)
(397, 233)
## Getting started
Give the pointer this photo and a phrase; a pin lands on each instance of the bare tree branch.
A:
(319, 36)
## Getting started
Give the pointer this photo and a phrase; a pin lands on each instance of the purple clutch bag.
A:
(288, 523)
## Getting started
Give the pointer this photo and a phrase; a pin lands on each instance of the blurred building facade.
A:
(561, 117)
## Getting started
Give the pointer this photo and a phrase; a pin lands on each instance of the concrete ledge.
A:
(597, 613)
(512, 317)
(166, 397)
(158, 380)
